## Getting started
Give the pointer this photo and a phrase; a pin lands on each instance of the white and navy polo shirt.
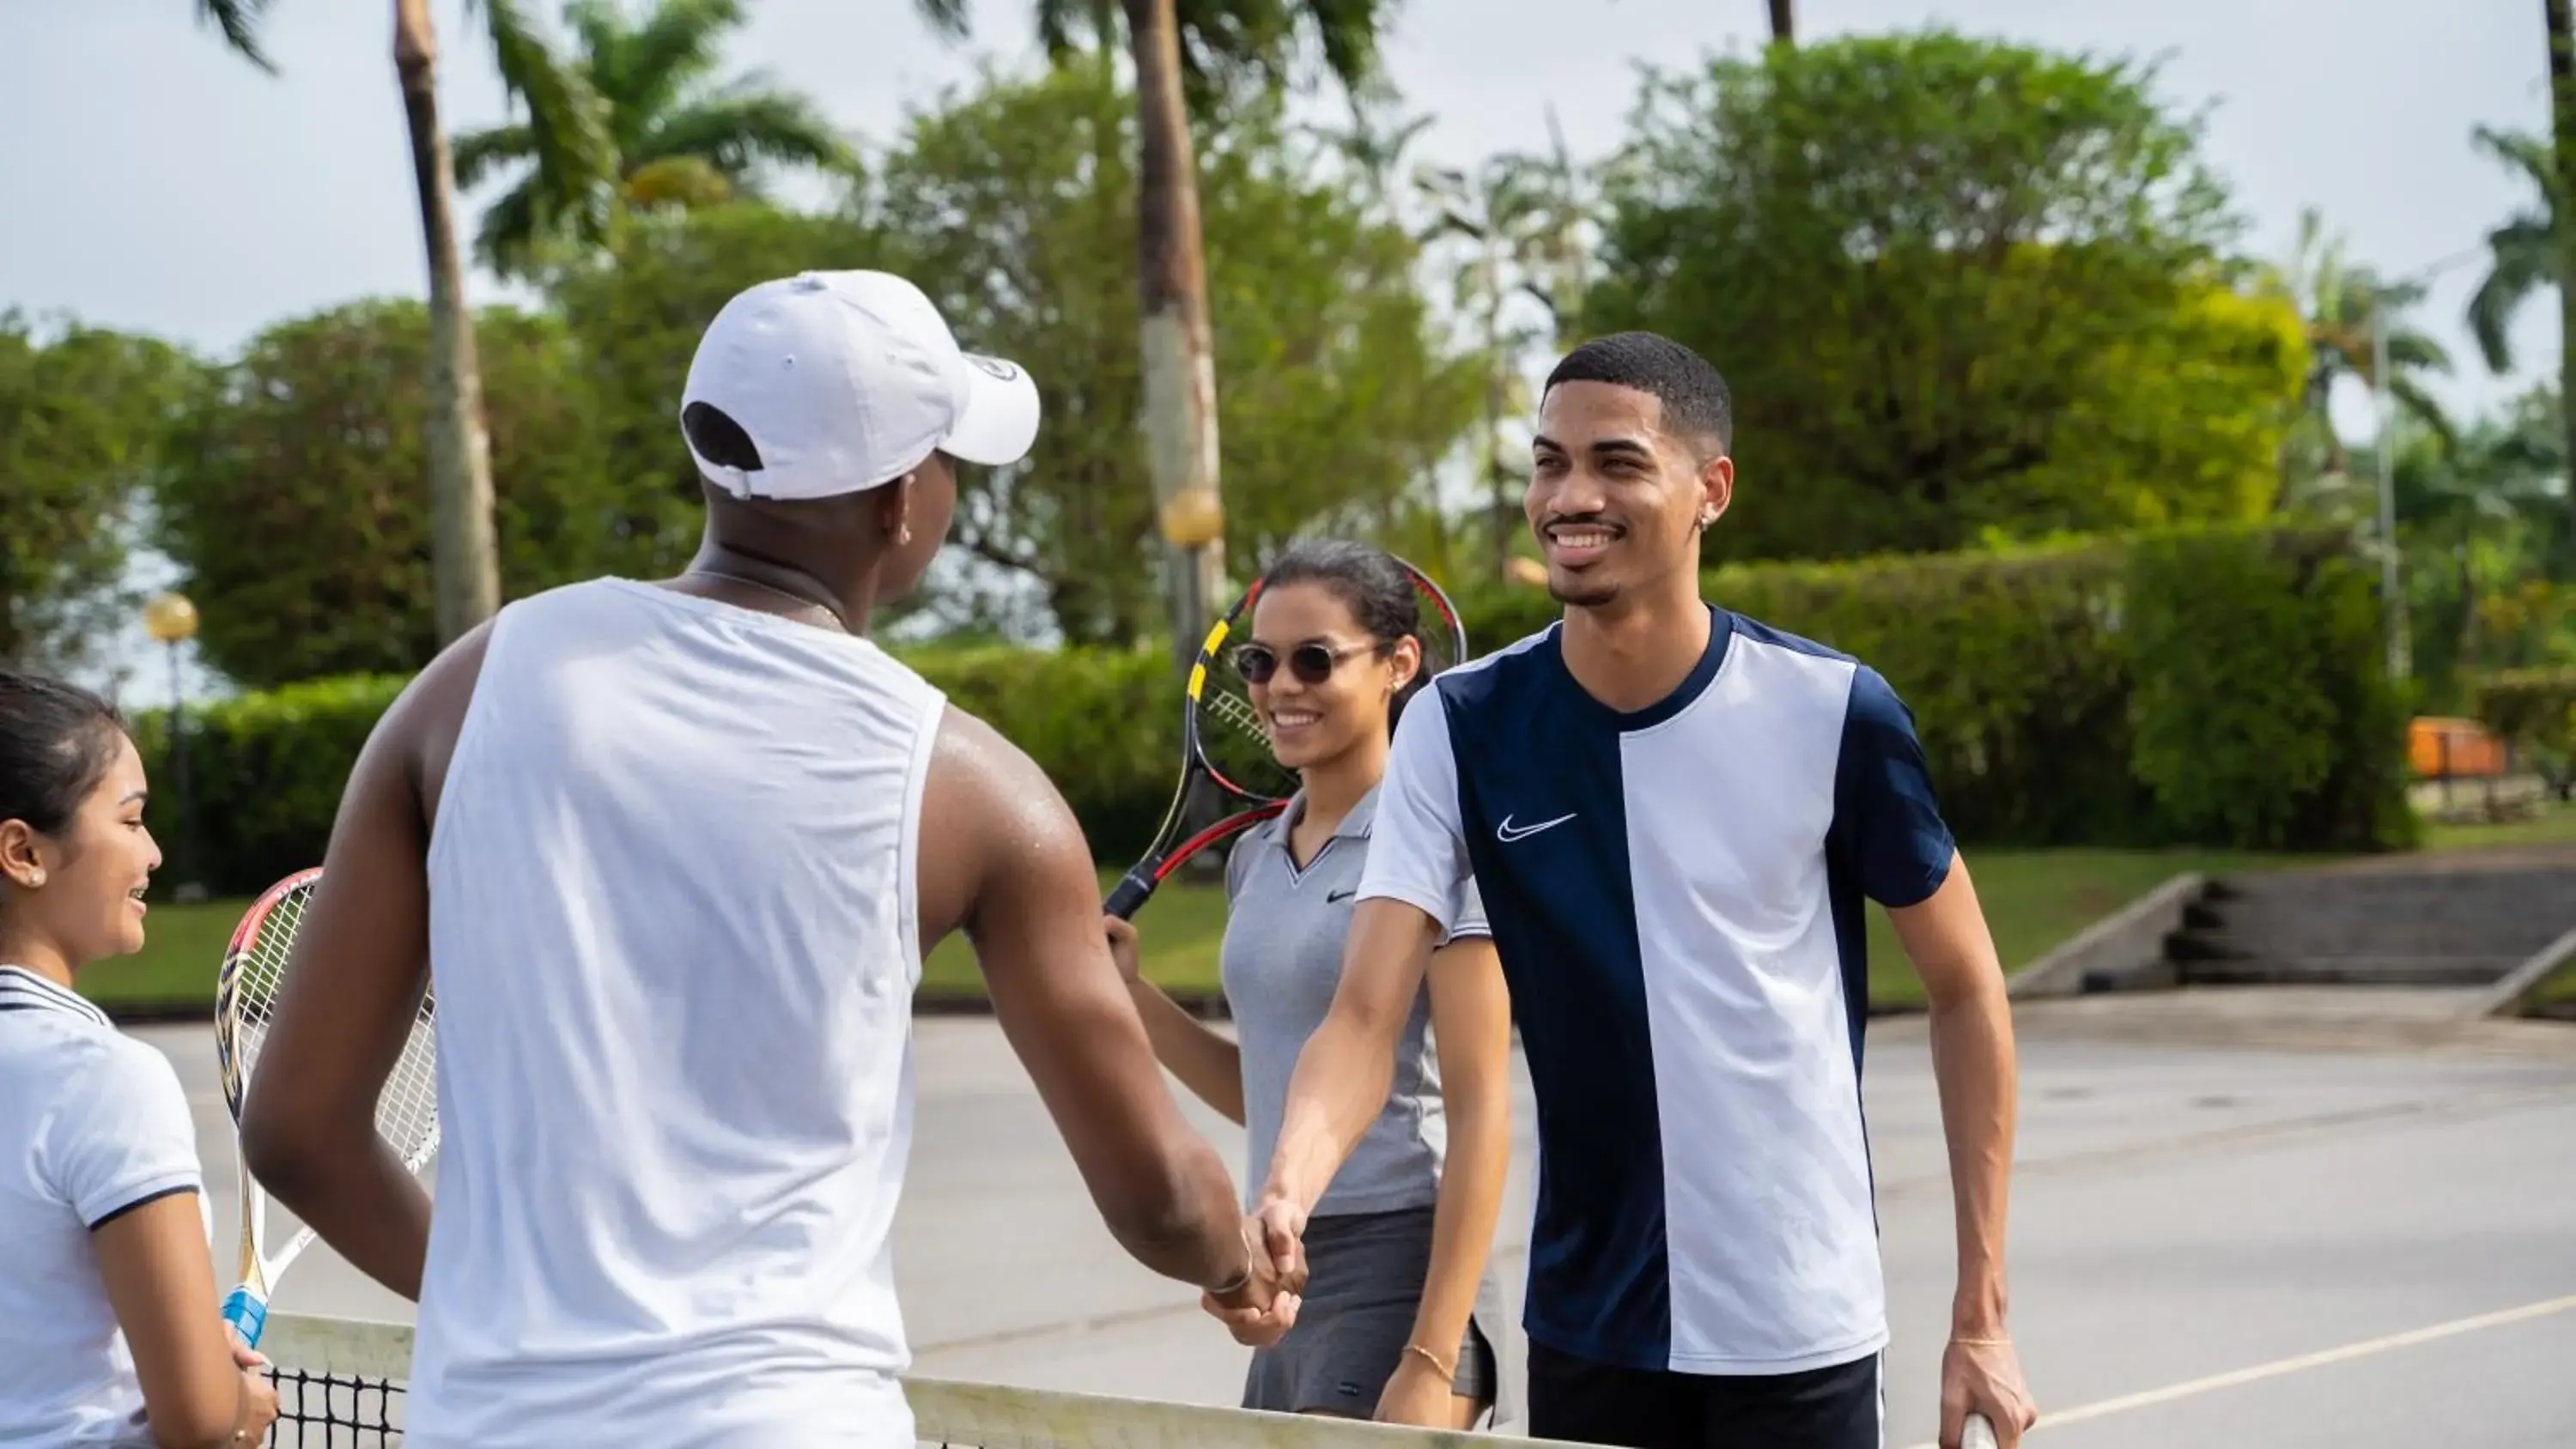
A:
(1676, 895)
(93, 1124)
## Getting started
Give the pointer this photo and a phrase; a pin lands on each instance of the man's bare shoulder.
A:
(974, 768)
(420, 729)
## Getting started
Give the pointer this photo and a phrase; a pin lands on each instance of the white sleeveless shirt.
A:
(674, 937)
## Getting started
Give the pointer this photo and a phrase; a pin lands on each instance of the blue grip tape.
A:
(247, 1314)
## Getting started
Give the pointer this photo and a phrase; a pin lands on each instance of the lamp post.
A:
(2392, 590)
(2383, 417)
(171, 620)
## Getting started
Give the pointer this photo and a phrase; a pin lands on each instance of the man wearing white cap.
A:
(692, 840)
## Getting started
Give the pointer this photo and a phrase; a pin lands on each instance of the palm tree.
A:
(568, 134)
(680, 137)
(2528, 252)
(1520, 222)
(2523, 253)
(2339, 303)
(1181, 47)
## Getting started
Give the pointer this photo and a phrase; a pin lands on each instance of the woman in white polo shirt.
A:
(1400, 1317)
(111, 1332)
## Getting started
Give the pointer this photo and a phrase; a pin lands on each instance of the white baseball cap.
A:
(846, 381)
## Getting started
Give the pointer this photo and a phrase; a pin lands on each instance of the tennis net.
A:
(340, 1384)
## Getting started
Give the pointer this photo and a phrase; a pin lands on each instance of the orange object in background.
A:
(2439, 748)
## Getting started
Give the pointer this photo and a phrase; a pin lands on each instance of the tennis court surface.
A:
(339, 1383)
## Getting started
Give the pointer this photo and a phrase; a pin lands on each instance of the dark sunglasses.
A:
(1312, 662)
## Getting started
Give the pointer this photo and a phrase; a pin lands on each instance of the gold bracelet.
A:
(1236, 1283)
(1446, 1372)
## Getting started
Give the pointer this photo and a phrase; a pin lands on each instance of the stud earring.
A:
(35, 879)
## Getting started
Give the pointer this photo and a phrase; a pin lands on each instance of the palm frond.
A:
(476, 154)
(947, 19)
(239, 21)
(2531, 155)
(739, 129)
(2523, 260)
(2424, 408)
(568, 123)
(2412, 351)
(506, 241)
(1348, 31)
(647, 69)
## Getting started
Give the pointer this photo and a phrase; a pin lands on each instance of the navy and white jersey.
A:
(1676, 894)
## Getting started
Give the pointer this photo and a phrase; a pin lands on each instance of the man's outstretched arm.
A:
(1347, 1067)
(1033, 915)
(1973, 1063)
(1410, 894)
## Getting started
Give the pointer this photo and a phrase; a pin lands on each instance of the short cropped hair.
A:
(1695, 399)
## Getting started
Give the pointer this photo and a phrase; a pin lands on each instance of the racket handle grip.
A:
(1977, 1434)
(247, 1313)
(1130, 894)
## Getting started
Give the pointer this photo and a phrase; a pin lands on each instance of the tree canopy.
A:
(298, 499)
(1957, 286)
(82, 417)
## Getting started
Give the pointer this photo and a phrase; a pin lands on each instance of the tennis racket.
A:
(246, 991)
(1977, 1433)
(1224, 746)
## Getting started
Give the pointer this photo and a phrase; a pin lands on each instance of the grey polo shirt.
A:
(1281, 959)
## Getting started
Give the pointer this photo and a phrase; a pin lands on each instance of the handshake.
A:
(1260, 1306)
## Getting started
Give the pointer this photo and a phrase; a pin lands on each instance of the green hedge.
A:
(2534, 711)
(2219, 687)
(265, 770)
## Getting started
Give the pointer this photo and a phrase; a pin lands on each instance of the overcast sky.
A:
(150, 180)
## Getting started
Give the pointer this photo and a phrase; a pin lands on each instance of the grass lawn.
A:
(182, 947)
(2554, 825)
(2034, 899)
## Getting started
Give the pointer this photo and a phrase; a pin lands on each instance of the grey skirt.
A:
(1364, 1277)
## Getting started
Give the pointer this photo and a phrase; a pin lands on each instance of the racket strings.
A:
(406, 1111)
(1236, 746)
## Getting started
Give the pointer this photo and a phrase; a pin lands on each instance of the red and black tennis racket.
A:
(1224, 744)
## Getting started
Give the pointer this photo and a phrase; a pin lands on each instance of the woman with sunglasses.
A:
(1400, 1317)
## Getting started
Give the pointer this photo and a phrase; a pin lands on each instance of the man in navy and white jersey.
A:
(1673, 814)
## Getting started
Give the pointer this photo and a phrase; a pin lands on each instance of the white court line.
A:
(2101, 1408)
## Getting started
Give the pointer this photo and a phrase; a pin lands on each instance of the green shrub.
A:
(2212, 685)
(2534, 711)
(264, 771)
(262, 778)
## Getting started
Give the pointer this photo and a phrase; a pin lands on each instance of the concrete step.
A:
(2535, 912)
(2347, 971)
(2334, 936)
(2525, 889)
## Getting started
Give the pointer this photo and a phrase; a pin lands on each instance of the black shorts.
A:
(1840, 1407)
(1365, 1275)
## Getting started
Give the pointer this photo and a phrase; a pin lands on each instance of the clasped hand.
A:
(1266, 1308)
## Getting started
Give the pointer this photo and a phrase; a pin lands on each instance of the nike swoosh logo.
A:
(1508, 832)
(1341, 895)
